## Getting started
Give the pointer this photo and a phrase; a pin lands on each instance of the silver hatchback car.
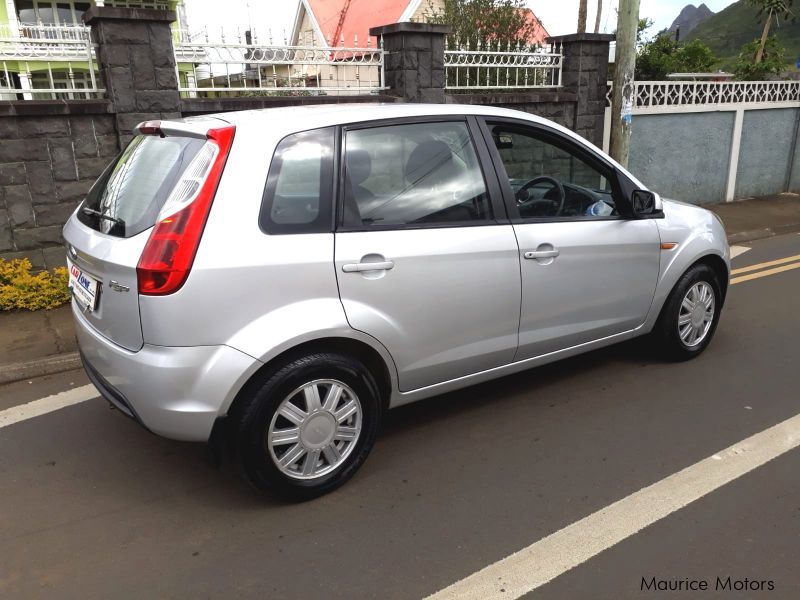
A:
(280, 278)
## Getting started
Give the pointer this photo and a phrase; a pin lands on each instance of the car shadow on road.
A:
(632, 353)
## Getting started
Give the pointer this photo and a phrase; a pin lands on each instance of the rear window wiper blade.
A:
(99, 215)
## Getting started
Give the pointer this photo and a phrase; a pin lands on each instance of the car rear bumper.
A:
(175, 392)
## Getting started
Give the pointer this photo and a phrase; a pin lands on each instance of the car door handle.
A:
(368, 266)
(541, 254)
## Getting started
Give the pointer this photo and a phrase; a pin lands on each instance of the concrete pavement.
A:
(95, 507)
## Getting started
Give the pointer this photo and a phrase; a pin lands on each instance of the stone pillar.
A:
(585, 73)
(414, 60)
(137, 64)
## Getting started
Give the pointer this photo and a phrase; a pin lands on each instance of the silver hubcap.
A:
(315, 429)
(696, 314)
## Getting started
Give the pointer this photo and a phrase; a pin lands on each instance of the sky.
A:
(559, 16)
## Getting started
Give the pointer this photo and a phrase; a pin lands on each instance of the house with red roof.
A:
(333, 22)
(346, 23)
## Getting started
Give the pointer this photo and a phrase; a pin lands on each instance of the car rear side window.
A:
(297, 197)
(128, 196)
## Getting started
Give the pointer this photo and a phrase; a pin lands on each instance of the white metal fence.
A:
(41, 62)
(674, 96)
(482, 65)
(240, 64)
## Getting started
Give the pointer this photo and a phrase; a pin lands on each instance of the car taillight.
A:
(169, 253)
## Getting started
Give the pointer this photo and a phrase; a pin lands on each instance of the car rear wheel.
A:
(690, 315)
(309, 426)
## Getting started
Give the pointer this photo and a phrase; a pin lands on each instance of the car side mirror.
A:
(646, 204)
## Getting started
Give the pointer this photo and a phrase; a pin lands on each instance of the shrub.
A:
(21, 289)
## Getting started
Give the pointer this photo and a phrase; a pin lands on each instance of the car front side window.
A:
(549, 180)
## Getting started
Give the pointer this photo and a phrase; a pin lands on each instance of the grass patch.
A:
(22, 290)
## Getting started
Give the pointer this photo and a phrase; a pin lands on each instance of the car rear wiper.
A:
(99, 215)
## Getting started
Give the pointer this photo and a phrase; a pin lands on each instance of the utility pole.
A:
(625, 64)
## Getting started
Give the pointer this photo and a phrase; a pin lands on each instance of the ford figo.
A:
(280, 278)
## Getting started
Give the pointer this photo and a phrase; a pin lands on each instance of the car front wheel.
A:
(690, 315)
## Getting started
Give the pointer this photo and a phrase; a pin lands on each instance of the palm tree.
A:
(770, 9)
(597, 17)
(582, 8)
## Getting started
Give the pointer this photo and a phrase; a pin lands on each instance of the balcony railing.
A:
(45, 42)
(47, 62)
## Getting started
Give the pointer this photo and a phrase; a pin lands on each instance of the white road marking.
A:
(548, 558)
(738, 251)
(15, 414)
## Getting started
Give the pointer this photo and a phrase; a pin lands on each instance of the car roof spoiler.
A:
(194, 128)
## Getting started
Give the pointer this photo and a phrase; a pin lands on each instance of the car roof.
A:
(299, 118)
(286, 120)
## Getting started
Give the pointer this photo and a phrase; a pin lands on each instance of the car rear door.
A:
(425, 259)
(108, 232)
(589, 271)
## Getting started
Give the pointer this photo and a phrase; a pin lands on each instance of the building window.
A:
(70, 83)
(138, 4)
(50, 12)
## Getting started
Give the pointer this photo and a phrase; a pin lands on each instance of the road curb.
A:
(39, 367)
(760, 234)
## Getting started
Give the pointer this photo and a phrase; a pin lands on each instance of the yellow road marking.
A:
(764, 265)
(774, 271)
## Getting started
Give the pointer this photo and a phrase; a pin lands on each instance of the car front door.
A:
(589, 270)
(426, 260)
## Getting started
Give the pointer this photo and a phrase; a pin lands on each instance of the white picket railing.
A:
(41, 62)
(674, 96)
(484, 66)
(240, 64)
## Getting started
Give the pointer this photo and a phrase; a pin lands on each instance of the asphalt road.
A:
(93, 506)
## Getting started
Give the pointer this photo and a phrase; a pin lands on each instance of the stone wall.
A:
(50, 154)
(560, 107)
(52, 151)
(203, 106)
(137, 64)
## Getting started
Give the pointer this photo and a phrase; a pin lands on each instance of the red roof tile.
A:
(361, 15)
(540, 34)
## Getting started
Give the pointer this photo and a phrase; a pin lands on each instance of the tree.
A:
(582, 9)
(769, 9)
(598, 15)
(663, 56)
(773, 60)
(490, 23)
(641, 30)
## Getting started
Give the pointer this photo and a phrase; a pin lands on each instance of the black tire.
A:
(254, 414)
(665, 337)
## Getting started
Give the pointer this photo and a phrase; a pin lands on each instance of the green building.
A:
(45, 51)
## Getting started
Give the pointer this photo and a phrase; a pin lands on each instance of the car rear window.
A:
(128, 196)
